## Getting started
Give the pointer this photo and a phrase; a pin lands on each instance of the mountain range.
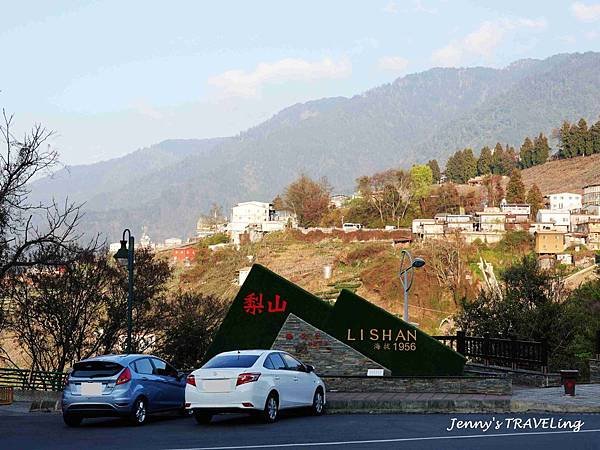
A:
(422, 116)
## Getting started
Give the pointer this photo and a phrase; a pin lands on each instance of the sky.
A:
(110, 77)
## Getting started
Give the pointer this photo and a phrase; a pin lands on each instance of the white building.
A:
(462, 222)
(591, 198)
(338, 200)
(564, 200)
(516, 212)
(491, 219)
(428, 228)
(561, 218)
(256, 219)
(172, 242)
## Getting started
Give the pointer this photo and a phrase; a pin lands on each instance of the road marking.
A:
(385, 441)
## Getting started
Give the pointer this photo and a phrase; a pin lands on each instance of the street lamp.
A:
(124, 258)
(404, 271)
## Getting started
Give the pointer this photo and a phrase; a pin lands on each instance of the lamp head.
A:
(418, 262)
(122, 255)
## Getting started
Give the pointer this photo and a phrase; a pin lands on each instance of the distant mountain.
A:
(415, 118)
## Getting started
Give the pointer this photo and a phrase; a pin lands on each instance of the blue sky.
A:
(113, 76)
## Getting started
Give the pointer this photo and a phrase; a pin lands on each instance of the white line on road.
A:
(384, 441)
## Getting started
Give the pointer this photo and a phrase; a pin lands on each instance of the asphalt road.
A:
(360, 431)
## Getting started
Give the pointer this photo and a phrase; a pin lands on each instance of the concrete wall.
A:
(329, 356)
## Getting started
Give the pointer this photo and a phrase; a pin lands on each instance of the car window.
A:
(94, 369)
(162, 368)
(143, 366)
(292, 363)
(268, 364)
(277, 361)
(231, 361)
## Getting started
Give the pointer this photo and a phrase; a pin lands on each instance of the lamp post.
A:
(125, 258)
(404, 271)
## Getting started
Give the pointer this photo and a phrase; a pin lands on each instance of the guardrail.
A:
(32, 379)
(513, 353)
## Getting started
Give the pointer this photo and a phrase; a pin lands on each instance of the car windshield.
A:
(230, 361)
(94, 369)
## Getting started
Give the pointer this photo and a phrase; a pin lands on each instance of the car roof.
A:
(121, 359)
(246, 352)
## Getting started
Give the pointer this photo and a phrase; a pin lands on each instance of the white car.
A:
(254, 381)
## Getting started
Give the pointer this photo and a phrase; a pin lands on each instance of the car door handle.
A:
(295, 378)
(277, 378)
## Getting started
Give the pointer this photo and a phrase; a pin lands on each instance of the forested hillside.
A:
(416, 118)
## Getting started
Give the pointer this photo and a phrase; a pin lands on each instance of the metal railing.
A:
(32, 379)
(513, 353)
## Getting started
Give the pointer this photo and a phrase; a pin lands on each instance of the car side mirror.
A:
(310, 368)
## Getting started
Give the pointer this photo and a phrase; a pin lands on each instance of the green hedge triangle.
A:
(242, 330)
(266, 299)
(388, 340)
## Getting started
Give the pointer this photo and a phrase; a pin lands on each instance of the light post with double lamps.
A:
(125, 258)
(405, 269)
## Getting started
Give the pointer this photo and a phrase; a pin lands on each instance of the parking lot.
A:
(359, 431)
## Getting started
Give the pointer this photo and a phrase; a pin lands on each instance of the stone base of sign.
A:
(393, 385)
(519, 377)
(594, 370)
(329, 356)
(387, 403)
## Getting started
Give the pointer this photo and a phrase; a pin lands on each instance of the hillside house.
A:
(428, 229)
(516, 212)
(591, 195)
(591, 230)
(561, 218)
(338, 200)
(564, 201)
(184, 254)
(255, 219)
(549, 242)
(490, 219)
(456, 222)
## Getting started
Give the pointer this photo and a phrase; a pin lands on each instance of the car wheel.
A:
(139, 412)
(72, 420)
(318, 405)
(202, 418)
(271, 411)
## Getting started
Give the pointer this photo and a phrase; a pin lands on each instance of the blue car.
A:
(131, 386)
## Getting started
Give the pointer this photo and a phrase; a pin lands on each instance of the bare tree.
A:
(61, 313)
(31, 234)
(389, 192)
(447, 261)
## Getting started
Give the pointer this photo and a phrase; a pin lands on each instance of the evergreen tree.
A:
(461, 166)
(511, 159)
(515, 190)
(435, 170)
(565, 144)
(535, 200)
(541, 149)
(595, 137)
(484, 163)
(584, 138)
(526, 154)
(470, 164)
(497, 159)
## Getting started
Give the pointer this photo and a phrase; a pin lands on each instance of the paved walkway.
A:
(587, 399)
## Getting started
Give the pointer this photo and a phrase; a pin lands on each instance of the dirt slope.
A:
(566, 175)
